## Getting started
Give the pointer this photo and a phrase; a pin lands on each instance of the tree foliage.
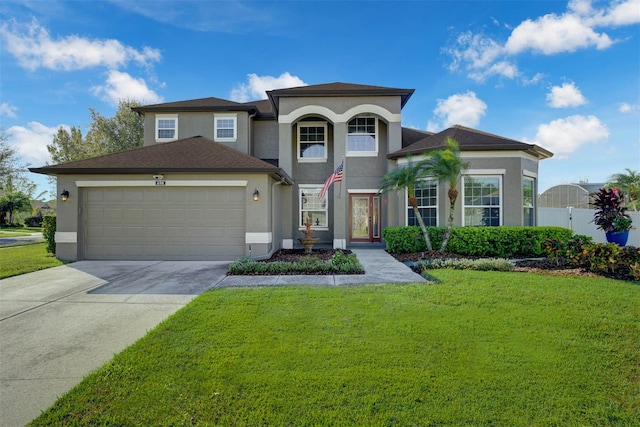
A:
(106, 135)
(446, 165)
(408, 177)
(629, 183)
(12, 202)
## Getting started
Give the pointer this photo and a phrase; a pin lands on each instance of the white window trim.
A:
(373, 153)
(501, 203)
(301, 188)
(225, 116)
(436, 206)
(166, 117)
(326, 143)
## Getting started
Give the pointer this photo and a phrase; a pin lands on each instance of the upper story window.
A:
(482, 200)
(362, 137)
(166, 127)
(312, 141)
(226, 127)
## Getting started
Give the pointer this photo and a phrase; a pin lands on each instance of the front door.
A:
(364, 218)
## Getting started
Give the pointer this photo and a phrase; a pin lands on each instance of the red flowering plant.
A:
(611, 214)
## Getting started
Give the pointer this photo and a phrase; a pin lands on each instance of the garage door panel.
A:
(164, 223)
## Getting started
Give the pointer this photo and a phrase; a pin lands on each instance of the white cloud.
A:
(553, 34)
(625, 107)
(257, 86)
(463, 109)
(34, 48)
(31, 142)
(567, 95)
(8, 110)
(564, 136)
(121, 85)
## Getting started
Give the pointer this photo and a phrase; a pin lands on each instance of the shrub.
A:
(340, 263)
(49, 232)
(502, 242)
(488, 264)
(33, 221)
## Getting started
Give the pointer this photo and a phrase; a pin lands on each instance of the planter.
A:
(619, 237)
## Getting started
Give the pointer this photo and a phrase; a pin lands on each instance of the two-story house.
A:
(217, 179)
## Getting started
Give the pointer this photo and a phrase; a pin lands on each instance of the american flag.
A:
(336, 176)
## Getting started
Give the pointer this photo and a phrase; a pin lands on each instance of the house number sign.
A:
(161, 182)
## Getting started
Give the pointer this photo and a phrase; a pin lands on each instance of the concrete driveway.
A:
(60, 324)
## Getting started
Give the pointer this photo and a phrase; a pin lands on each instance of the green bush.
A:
(485, 264)
(49, 232)
(502, 242)
(340, 263)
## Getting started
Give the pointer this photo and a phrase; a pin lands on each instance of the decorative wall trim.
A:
(363, 190)
(339, 243)
(529, 173)
(167, 183)
(484, 172)
(266, 237)
(339, 117)
(287, 243)
(66, 237)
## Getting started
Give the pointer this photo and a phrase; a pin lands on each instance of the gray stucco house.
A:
(217, 179)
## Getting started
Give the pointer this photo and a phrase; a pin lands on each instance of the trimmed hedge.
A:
(49, 232)
(500, 242)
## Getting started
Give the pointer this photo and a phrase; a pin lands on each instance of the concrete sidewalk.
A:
(58, 325)
(379, 266)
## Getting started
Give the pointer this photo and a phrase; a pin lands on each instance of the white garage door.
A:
(179, 223)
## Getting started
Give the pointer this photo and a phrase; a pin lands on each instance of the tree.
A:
(14, 202)
(446, 166)
(8, 161)
(122, 132)
(408, 177)
(629, 183)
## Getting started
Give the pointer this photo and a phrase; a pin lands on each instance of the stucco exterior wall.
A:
(265, 139)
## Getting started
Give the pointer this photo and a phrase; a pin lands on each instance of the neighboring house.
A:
(217, 180)
(569, 195)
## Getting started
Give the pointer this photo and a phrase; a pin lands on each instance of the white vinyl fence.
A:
(579, 220)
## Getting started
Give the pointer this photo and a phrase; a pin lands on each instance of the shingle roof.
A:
(410, 136)
(339, 89)
(201, 104)
(196, 154)
(470, 140)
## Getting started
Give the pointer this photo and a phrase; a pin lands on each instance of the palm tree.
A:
(407, 177)
(446, 166)
(629, 183)
(14, 202)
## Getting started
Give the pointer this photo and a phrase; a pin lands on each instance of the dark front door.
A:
(364, 218)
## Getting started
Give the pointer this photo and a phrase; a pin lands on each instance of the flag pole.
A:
(340, 192)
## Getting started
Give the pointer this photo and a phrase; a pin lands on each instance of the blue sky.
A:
(563, 75)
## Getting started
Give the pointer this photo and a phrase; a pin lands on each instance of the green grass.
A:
(25, 259)
(482, 348)
(13, 233)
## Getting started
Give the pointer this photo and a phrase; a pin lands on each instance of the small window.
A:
(312, 141)
(362, 138)
(427, 196)
(225, 127)
(482, 201)
(528, 200)
(166, 128)
(312, 207)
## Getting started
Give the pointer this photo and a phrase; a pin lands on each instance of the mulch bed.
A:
(541, 265)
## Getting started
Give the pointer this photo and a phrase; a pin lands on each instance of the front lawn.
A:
(25, 259)
(482, 348)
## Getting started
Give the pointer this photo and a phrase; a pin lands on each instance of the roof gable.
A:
(470, 140)
(338, 89)
(196, 154)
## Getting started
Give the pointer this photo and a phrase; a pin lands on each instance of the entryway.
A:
(364, 217)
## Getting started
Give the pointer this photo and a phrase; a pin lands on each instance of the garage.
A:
(163, 223)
